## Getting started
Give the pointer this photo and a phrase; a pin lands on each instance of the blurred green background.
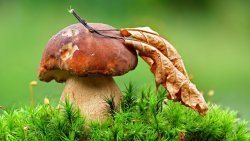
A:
(212, 36)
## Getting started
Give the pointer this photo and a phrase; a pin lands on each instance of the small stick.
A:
(91, 29)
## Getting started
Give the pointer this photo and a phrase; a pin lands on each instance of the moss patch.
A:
(142, 116)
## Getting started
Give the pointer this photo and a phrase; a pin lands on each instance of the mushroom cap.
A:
(76, 51)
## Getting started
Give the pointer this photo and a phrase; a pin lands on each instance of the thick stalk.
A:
(89, 93)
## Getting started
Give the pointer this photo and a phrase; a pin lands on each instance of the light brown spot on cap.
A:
(67, 51)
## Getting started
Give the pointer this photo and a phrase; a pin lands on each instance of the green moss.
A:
(142, 116)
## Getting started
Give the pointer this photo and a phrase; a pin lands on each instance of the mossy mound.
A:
(142, 116)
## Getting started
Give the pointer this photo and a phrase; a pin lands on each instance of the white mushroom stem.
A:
(89, 93)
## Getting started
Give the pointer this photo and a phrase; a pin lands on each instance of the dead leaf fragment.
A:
(152, 38)
(166, 73)
(182, 136)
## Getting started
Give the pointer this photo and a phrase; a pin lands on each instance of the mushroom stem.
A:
(89, 93)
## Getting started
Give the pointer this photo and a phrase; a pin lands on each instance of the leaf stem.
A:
(91, 29)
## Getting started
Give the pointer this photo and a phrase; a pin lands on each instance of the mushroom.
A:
(86, 62)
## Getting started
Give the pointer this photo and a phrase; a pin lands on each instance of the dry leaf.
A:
(147, 35)
(182, 136)
(178, 85)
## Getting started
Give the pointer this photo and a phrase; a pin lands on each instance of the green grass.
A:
(142, 116)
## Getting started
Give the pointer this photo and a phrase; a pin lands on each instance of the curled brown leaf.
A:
(178, 85)
(147, 35)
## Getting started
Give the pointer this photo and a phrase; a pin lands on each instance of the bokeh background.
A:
(212, 36)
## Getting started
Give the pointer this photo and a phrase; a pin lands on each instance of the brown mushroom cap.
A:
(76, 51)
